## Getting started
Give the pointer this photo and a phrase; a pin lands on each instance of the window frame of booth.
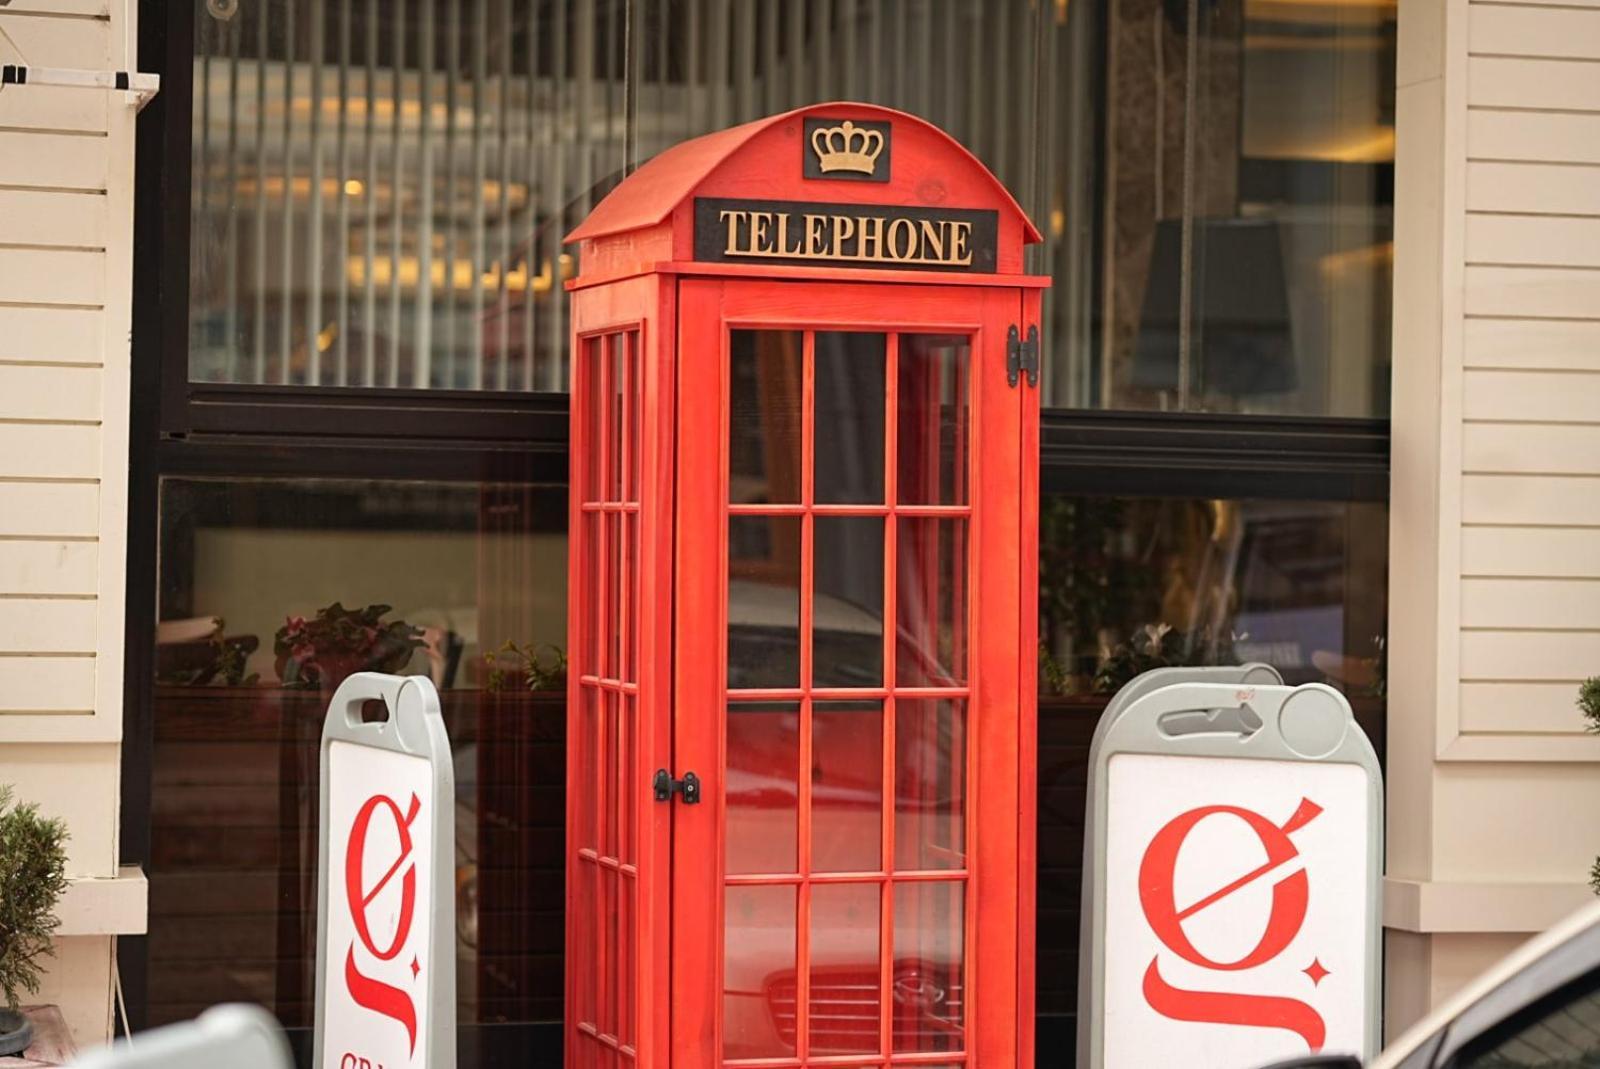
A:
(180, 428)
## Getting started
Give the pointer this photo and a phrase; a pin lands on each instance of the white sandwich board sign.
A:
(385, 890)
(1233, 865)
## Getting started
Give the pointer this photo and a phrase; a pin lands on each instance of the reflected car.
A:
(1539, 1008)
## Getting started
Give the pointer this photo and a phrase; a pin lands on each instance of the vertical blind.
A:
(381, 188)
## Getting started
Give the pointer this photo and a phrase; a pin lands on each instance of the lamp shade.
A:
(1242, 342)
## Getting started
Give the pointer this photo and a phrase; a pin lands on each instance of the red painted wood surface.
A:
(856, 887)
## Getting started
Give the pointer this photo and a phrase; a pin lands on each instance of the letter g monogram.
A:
(1290, 897)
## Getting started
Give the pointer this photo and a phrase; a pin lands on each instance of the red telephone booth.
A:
(803, 631)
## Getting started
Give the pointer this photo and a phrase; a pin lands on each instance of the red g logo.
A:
(1290, 897)
(373, 994)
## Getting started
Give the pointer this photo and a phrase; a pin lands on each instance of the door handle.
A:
(666, 787)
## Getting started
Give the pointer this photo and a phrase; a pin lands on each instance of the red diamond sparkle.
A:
(415, 968)
(1315, 971)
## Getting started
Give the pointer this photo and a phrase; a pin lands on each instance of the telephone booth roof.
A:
(824, 157)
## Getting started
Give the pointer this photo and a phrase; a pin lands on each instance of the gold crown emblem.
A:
(847, 148)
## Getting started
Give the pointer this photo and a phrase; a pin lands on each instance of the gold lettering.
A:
(759, 222)
(731, 218)
(844, 229)
(798, 248)
(902, 243)
(871, 245)
(960, 243)
(814, 244)
(872, 236)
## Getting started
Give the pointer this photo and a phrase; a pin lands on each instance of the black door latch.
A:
(666, 786)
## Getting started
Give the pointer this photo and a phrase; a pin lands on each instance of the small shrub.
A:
(1589, 701)
(33, 874)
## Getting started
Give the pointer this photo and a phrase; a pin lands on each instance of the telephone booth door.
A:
(848, 642)
(802, 630)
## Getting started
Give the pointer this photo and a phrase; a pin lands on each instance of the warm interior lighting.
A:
(461, 275)
(1365, 258)
(325, 337)
(353, 187)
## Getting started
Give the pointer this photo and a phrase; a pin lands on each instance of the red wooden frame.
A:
(649, 625)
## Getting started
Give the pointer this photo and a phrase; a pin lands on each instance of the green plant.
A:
(224, 662)
(33, 866)
(528, 662)
(1589, 701)
(1055, 675)
(338, 641)
(1160, 646)
(1589, 706)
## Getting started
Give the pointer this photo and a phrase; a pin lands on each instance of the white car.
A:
(1537, 1009)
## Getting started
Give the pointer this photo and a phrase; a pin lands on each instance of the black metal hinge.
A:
(1022, 355)
(666, 787)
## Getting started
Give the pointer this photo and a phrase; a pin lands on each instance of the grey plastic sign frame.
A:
(1131, 724)
(236, 1035)
(415, 728)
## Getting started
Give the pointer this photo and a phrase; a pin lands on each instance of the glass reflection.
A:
(846, 785)
(931, 588)
(758, 975)
(270, 592)
(763, 601)
(849, 417)
(762, 787)
(848, 608)
(846, 983)
(933, 420)
(764, 416)
(929, 966)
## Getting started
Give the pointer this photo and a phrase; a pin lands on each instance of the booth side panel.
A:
(619, 660)
(995, 857)
(1028, 705)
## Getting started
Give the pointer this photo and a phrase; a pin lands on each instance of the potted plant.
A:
(1589, 706)
(33, 866)
(322, 651)
(513, 667)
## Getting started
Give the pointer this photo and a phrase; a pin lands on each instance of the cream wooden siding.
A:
(66, 167)
(1529, 555)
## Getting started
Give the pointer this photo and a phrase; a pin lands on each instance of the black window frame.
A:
(184, 428)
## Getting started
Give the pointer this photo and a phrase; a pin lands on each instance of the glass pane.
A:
(272, 591)
(1129, 584)
(1563, 1033)
(846, 982)
(930, 777)
(763, 601)
(764, 416)
(849, 416)
(617, 416)
(758, 995)
(846, 785)
(629, 777)
(929, 966)
(594, 411)
(847, 618)
(931, 557)
(386, 208)
(762, 785)
(375, 203)
(934, 419)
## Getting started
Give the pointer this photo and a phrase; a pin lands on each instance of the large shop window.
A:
(350, 434)
(271, 592)
(379, 191)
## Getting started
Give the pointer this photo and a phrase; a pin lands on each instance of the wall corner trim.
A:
(1439, 907)
(114, 905)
